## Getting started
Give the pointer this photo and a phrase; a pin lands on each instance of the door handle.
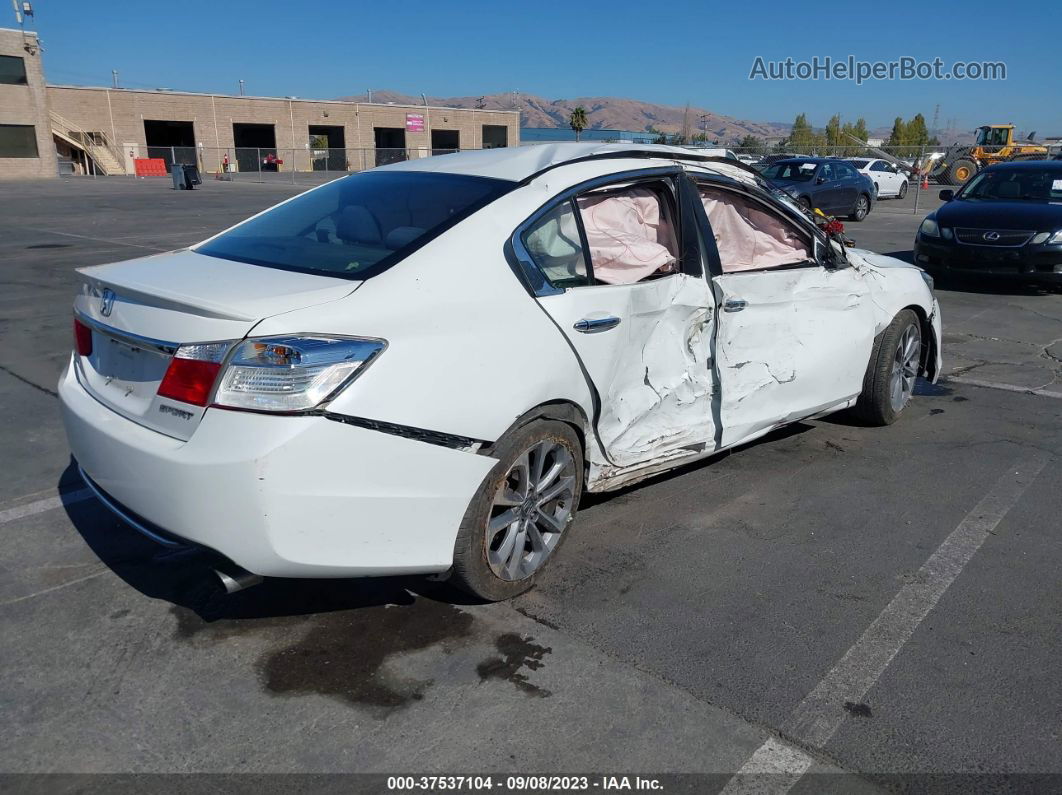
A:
(734, 305)
(596, 325)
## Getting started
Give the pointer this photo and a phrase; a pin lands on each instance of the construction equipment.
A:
(994, 144)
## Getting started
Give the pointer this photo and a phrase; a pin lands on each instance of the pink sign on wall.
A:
(414, 122)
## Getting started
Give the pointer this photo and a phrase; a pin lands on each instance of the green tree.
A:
(577, 121)
(750, 144)
(849, 132)
(834, 139)
(897, 138)
(802, 137)
(917, 134)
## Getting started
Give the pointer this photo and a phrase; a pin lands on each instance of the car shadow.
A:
(183, 576)
(980, 285)
(795, 429)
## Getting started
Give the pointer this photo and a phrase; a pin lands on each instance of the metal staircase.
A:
(104, 153)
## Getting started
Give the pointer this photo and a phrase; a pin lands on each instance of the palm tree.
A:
(577, 121)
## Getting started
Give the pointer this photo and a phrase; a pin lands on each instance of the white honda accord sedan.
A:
(422, 367)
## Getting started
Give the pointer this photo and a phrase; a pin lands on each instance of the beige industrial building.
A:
(105, 130)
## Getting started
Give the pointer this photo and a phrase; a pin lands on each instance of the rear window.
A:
(358, 226)
(797, 172)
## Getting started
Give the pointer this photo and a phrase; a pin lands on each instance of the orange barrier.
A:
(150, 166)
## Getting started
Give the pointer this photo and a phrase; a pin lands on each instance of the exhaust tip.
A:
(237, 579)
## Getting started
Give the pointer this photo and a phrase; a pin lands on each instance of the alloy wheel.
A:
(532, 507)
(861, 208)
(905, 363)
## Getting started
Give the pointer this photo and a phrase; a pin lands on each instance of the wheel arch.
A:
(566, 411)
(928, 363)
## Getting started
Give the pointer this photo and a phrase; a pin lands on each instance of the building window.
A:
(495, 136)
(18, 140)
(12, 70)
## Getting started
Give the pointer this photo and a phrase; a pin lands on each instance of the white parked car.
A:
(422, 367)
(889, 181)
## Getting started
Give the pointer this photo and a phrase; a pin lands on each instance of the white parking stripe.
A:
(818, 717)
(1005, 387)
(773, 768)
(40, 506)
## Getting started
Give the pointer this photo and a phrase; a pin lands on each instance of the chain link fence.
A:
(306, 166)
(903, 176)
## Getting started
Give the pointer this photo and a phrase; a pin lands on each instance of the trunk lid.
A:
(141, 310)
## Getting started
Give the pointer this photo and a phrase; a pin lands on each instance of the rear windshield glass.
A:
(797, 172)
(859, 163)
(358, 226)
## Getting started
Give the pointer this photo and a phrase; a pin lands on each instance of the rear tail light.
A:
(82, 338)
(192, 372)
(292, 373)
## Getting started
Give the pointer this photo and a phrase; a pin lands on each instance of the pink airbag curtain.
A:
(747, 237)
(628, 236)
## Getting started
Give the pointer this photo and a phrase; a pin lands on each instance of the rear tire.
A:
(890, 377)
(520, 515)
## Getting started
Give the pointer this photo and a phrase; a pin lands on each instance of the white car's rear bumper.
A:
(282, 496)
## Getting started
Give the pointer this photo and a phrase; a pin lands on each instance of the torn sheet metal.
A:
(652, 371)
(800, 345)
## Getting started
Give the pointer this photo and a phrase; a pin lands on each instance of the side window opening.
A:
(748, 236)
(556, 246)
(630, 231)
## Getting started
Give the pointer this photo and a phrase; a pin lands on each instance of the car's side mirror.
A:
(947, 195)
(820, 180)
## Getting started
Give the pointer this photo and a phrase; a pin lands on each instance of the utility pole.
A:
(704, 125)
(936, 120)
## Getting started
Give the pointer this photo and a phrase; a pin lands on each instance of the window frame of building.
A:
(12, 77)
(29, 144)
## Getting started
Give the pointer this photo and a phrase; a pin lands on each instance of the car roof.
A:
(806, 160)
(520, 163)
(1028, 165)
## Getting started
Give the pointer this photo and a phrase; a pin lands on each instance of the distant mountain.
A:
(608, 113)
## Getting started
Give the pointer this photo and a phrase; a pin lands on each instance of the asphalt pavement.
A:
(844, 608)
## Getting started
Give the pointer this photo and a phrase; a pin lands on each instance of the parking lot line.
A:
(87, 237)
(773, 768)
(1025, 390)
(47, 504)
(818, 717)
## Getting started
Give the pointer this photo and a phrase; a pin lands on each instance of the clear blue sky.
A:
(663, 52)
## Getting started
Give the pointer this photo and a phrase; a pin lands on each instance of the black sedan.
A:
(824, 183)
(1005, 221)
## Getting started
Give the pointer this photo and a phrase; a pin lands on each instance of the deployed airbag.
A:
(628, 236)
(747, 237)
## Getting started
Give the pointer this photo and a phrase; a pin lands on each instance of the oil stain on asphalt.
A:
(344, 654)
(517, 653)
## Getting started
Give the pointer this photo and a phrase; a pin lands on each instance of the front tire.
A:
(903, 190)
(521, 513)
(890, 378)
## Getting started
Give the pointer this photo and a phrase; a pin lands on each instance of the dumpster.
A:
(185, 177)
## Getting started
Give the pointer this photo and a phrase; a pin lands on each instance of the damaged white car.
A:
(422, 367)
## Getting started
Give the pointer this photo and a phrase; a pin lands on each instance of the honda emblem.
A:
(107, 302)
